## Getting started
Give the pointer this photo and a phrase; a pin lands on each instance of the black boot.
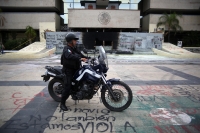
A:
(63, 107)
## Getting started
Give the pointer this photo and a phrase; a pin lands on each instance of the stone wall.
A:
(122, 41)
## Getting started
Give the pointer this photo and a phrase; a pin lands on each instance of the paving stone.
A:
(166, 85)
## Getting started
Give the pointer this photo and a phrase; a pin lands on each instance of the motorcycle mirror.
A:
(85, 51)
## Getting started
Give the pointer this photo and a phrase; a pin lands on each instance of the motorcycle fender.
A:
(113, 79)
(61, 76)
(45, 77)
(109, 82)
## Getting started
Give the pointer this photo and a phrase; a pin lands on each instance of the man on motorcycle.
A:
(71, 60)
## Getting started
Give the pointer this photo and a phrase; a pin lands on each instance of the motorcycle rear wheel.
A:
(123, 96)
(55, 89)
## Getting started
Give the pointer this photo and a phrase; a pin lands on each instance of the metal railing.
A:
(23, 43)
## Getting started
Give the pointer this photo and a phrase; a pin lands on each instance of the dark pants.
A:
(67, 84)
(2, 51)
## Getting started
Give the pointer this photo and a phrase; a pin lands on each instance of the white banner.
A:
(140, 41)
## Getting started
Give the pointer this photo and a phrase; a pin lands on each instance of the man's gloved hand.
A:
(83, 59)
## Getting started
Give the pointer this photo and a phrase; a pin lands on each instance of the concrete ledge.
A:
(178, 55)
(32, 51)
(174, 49)
(10, 51)
(193, 49)
(28, 55)
(48, 52)
(34, 47)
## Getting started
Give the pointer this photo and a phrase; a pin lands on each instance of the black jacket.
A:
(71, 57)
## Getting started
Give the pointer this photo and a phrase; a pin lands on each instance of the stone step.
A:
(34, 47)
(143, 53)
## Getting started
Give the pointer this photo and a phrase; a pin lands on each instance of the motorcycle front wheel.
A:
(55, 89)
(123, 97)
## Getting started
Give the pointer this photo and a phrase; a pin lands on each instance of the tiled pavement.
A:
(166, 98)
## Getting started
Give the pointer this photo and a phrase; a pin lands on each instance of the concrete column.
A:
(44, 26)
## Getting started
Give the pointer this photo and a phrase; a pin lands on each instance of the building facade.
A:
(116, 16)
(39, 14)
(102, 16)
(151, 10)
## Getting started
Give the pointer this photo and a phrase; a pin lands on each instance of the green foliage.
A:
(13, 34)
(11, 44)
(192, 39)
(171, 22)
(30, 33)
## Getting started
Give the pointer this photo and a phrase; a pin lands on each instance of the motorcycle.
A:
(88, 80)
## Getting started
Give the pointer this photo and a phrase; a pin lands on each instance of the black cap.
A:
(71, 37)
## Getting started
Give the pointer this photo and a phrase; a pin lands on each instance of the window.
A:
(66, 6)
(68, 0)
(90, 6)
(134, 6)
(128, 6)
(78, 5)
(124, 6)
(65, 17)
(125, 1)
(135, 1)
(112, 7)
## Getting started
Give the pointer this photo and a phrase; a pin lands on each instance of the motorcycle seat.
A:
(56, 69)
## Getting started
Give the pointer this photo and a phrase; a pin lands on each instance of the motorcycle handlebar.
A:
(91, 61)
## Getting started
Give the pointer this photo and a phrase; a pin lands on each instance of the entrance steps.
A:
(143, 52)
(34, 50)
(34, 47)
(170, 50)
